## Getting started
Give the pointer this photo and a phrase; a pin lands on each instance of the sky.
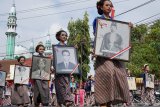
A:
(57, 13)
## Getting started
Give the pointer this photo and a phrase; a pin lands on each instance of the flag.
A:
(112, 12)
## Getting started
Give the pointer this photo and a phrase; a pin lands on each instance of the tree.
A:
(145, 48)
(143, 54)
(138, 33)
(79, 36)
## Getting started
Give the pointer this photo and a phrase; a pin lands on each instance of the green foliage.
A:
(145, 49)
(79, 36)
(138, 33)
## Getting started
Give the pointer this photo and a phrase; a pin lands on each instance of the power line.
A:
(56, 13)
(147, 18)
(60, 13)
(15, 54)
(27, 40)
(64, 11)
(148, 2)
(52, 6)
(46, 7)
(151, 21)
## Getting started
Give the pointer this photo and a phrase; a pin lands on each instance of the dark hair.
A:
(100, 4)
(19, 58)
(145, 66)
(89, 77)
(65, 51)
(59, 33)
(38, 46)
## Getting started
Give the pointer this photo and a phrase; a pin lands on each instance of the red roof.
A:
(6, 64)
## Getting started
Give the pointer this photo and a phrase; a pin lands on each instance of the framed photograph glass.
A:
(11, 72)
(149, 80)
(21, 74)
(132, 83)
(3, 76)
(41, 68)
(65, 61)
(112, 39)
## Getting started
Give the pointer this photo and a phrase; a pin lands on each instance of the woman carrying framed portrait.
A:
(41, 87)
(147, 94)
(19, 92)
(111, 85)
(63, 92)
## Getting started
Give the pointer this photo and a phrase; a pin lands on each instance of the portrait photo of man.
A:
(112, 41)
(2, 78)
(66, 63)
(21, 74)
(41, 70)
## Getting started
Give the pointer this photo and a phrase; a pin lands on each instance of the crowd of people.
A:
(62, 90)
(83, 93)
(109, 87)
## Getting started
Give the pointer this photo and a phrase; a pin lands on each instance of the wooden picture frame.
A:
(21, 74)
(149, 83)
(112, 39)
(65, 60)
(41, 68)
(3, 76)
(132, 83)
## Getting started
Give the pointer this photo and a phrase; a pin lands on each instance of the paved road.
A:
(97, 106)
(134, 105)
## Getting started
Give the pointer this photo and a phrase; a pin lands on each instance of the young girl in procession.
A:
(41, 87)
(131, 92)
(147, 94)
(111, 85)
(82, 95)
(64, 95)
(19, 94)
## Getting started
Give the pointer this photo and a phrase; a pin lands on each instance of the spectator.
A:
(147, 95)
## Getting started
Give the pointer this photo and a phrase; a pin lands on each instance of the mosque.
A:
(13, 51)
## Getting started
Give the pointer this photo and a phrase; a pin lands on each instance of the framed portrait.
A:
(112, 39)
(21, 74)
(3, 76)
(65, 61)
(149, 80)
(41, 68)
(132, 83)
(11, 72)
(139, 80)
